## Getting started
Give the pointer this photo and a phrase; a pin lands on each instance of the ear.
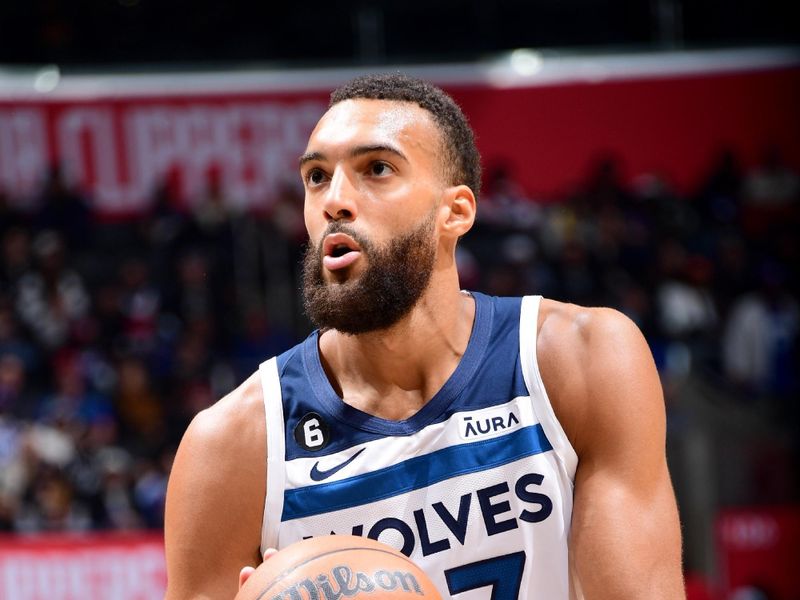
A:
(460, 203)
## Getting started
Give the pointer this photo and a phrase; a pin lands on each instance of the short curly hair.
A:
(461, 160)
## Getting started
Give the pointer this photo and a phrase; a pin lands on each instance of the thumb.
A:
(269, 552)
(244, 574)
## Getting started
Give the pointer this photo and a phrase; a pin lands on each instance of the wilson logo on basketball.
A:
(343, 582)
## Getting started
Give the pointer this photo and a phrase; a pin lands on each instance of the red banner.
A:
(118, 146)
(83, 567)
(120, 150)
(760, 548)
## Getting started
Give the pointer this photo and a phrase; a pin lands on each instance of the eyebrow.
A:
(356, 152)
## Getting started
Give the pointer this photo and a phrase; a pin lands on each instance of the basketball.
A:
(334, 566)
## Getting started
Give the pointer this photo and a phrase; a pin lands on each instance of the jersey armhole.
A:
(528, 330)
(276, 454)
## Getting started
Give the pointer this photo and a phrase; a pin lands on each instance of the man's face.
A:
(373, 181)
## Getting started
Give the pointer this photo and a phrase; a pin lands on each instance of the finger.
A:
(244, 574)
(269, 552)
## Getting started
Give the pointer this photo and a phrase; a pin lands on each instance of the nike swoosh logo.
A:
(318, 474)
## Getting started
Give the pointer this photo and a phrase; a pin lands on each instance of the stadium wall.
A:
(544, 118)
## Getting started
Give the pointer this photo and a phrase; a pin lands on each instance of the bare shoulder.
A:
(233, 420)
(215, 498)
(601, 379)
(597, 368)
(569, 331)
(231, 431)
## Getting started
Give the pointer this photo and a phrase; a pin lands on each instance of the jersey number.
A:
(313, 433)
(503, 573)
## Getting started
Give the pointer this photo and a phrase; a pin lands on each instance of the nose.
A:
(340, 198)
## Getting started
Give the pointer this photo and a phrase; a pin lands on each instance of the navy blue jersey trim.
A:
(433, 409)
(284, 358)
(414, 473)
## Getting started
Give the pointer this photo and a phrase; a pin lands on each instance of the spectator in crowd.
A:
(759, 349)
(51, 298)
(505, 203)
(141, 411)
(140, 303)
(10, 216)
(719, 199)
(686, 308)
(211, 216)
(15, 397)
(72, 406)
(17, 258)
(104, 359)
(771, 193)
(772, 183)
(12, 342)
(150, 489)
(51, 504)
(257, 338)
(65, 211)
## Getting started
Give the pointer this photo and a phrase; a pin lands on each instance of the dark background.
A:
(111, 32)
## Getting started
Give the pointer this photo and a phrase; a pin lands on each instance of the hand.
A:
(245, 573)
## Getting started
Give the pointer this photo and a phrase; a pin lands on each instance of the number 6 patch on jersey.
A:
(312, 433)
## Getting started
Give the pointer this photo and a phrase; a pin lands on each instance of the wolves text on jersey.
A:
(491, 503)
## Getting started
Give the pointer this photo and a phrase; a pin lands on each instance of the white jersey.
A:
(476, 487)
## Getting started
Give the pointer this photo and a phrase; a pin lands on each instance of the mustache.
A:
(341, 227)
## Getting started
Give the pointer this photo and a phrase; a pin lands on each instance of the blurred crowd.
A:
(708, 276)
(114, 333)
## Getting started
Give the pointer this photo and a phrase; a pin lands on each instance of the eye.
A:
(379, 168)
(315, 176)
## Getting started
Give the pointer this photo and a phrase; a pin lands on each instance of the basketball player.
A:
(513, 448)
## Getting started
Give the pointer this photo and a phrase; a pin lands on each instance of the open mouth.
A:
(339, 251)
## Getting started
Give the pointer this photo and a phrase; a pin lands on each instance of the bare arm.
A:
(215, 498)
(625, 537)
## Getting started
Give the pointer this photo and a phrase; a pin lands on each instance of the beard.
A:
(396, 275)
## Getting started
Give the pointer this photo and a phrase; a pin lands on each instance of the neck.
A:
(393, 372)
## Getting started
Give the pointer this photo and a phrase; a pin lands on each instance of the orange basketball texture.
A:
(338, 566)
